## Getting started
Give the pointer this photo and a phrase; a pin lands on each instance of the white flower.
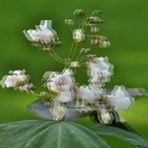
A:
(58, 82)
(96, 89)
(21, 76)
(85, 93)
(10, 81)
(17, 79)
(99, 70)
(43, 33)
(78, 35)
(65, 96)
(120, 98)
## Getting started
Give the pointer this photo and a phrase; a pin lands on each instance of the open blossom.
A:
(65, 96)
(96, 89)
(78, 35)
(120, 99)
(43, 33)
(18, 80)
(99, 70)
(17, 77)
(85, 93)
(58, 82)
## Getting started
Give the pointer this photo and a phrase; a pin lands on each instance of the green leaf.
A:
(129, 137)
(39, 109)
(48, 134)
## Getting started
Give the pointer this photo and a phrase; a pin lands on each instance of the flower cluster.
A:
(62, 84)
(87, 98)
(62, 92)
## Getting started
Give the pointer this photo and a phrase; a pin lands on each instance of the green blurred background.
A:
(126, 23)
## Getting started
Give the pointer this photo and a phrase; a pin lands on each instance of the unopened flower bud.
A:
(69, 22)
(94, 20)
(94, 29)
(44, 95)
(104, 116)
(104, 44)
(78, 35)
(74, 64)
(94, 41)
(79, 12)
(102, 41)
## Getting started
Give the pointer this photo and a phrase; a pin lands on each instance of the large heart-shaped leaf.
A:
(129, 137)
(48, 134)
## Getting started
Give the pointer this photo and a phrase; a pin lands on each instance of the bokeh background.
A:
(125, 25)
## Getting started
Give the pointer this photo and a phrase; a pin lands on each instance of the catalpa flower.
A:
(120, 98)
(85, 93)
(17, 79)
(63, 95)
(63, 98)
(43, 33)
(96, 89)
(58, 82)
(99, 70)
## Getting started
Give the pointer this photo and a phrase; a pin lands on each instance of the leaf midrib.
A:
(59, 135)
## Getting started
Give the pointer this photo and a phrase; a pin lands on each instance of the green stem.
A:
(69, 55)
(34, 94)
(74, 51)
(57, 56)
(81, 107)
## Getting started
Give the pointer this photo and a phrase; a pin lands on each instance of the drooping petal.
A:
(85, 93)
(120, 98)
